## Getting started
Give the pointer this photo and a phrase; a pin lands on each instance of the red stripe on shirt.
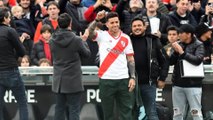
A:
(111, 57)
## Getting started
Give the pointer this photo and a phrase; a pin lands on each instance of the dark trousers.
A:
(11, 80)
(116, 92)
(70, 100)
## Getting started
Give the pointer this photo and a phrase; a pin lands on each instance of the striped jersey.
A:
(113, 52)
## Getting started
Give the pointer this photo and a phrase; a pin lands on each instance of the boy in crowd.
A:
(24, 27)
(41, 48)
(173, 36)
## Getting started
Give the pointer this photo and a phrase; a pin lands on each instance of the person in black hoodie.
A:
(207, 17)
(204, 34)
(67, 50)
(186, 91)
(182, 14)
(151, 63)
(10, 49)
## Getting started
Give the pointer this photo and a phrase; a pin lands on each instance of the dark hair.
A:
(52, 3)
(18, 1)
(30, 5)
(180, 0)
(172, 27)
(111, 15)
(4, 13)
(45, 28)
(177, 1)
(138, 18)
(64, 20)
(21, 58)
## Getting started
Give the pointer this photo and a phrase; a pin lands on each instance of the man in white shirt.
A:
(117, 67)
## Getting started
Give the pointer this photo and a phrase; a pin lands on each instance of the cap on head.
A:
(202, 28)
(187, 28)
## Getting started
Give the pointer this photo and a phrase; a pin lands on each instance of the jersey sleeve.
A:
(129, 48)
(99, 35)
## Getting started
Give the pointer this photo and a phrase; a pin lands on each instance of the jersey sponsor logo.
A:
(114, 51)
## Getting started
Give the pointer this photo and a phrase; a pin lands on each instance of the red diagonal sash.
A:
(112, 55)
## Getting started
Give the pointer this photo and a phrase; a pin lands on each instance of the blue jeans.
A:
(182, 97)
(148, 94)
(70, 100)
(11, 80)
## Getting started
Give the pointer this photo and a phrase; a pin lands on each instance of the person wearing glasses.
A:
(207, 18)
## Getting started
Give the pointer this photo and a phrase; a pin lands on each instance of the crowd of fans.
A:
(35, 21)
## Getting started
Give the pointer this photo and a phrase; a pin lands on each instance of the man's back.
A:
(67, 50)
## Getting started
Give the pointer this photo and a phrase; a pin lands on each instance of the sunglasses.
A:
(210, 4)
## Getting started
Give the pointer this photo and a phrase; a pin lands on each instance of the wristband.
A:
(132, 78)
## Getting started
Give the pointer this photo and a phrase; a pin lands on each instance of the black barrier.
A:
(39, 94)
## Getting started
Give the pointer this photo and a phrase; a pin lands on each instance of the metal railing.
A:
(43, 75)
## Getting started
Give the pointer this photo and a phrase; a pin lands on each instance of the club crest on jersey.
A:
(123, 43)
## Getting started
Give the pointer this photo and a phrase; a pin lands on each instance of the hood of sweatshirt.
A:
(63, 37)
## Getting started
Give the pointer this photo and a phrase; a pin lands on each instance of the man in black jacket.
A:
(67, 50)
(10, 79)
(186, 90)
(151, 64)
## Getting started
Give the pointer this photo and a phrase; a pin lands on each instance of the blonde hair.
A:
(44, 60)
(16, 8)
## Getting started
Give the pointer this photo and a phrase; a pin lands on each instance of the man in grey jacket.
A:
(67, 50)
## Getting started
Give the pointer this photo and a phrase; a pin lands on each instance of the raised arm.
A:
(93, 25)
(120, 7)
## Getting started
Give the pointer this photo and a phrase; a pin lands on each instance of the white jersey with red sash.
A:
(113, 52)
